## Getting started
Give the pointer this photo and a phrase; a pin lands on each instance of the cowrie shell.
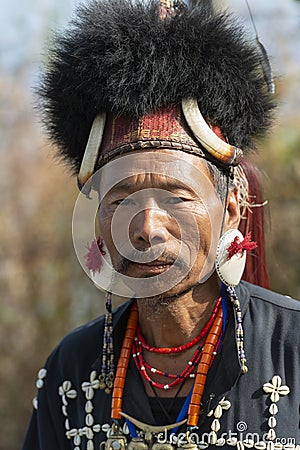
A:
(89, 433)
(260, 445)
(268, 388)
(271, 435)
(66, 385)
(89, 406)
(71, 394)
(276, 381)
(39, 383)
(215, 426)
(284, 390)
(73, 432)
(232, 442)
(89, 420)
(93, 375)
(105, 427)
(272, 422)
(42, 373)
(218, 412)
(89, 393)
(35, 403)
(90, 445)
(225, 404)
(77, 440)
(274, 397)
(273, 409)
(212, 437)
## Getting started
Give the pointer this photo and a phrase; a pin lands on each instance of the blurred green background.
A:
(44, 292)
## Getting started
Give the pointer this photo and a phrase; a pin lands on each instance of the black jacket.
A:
(73, 413)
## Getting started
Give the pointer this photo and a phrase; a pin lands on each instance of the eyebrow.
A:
(169, 185)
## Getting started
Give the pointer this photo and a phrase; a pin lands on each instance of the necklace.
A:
(117, 395)
(145, 369)
(178, 379)
(209, 348)
(180, 348)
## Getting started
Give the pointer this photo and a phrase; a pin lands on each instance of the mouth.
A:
(148, 269)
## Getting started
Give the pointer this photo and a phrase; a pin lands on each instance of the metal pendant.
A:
(188, 446)
(137, 444)
(151, 432)
(152, 429)
(163, 446)
(116, 441)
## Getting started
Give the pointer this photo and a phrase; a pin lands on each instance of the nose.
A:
(149, 228)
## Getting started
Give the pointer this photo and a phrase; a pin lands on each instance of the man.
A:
(153, 106)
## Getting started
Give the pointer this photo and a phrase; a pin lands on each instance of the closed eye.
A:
(174, 200)
(124, 202)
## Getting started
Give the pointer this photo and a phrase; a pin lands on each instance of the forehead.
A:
(165, 169)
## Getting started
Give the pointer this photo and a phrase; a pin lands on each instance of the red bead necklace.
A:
(145, 369)
(207, 356)
(191, 365)
(177, 379)
(180, 348)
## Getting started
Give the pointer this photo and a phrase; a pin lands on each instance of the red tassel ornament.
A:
(238, 246)
(231, 256)
(94, 255)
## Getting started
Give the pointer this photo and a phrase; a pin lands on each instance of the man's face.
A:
(160, 218)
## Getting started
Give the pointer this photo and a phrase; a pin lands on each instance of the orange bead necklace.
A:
(117, 395)
(209, 349)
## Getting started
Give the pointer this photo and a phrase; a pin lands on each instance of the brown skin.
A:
(167, 322)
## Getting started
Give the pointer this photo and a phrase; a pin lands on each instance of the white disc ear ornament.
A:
(103, 277)
(230, 267)
(101, 270)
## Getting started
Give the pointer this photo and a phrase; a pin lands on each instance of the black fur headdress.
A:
(118, 56)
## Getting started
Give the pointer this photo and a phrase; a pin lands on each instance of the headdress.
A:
(120, 63)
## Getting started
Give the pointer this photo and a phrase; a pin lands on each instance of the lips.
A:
(151, 268)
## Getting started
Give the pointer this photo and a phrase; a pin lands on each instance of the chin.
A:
(168, 295)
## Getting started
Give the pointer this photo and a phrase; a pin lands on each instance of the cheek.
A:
(114, 230)
(194, 224)
(104, 218)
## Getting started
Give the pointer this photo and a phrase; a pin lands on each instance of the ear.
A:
(232, 215)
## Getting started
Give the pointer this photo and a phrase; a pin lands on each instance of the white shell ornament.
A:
(230, 271)
(107, 279)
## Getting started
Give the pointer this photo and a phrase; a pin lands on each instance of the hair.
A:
(253, 216)
(221, 179)
(254, 221)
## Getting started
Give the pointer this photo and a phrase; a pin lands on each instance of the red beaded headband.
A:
(174, 127)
